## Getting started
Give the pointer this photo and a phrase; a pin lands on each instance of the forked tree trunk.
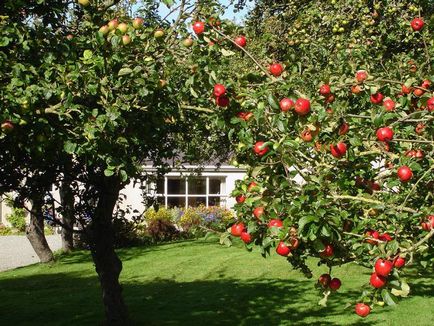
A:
(35, 233)
(107, 263)
(68, 218)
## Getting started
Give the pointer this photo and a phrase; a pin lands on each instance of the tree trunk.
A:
(107, 263)
(68, 218)
(35, 233)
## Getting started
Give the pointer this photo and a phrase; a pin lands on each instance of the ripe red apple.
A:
(237, 229)
(306, 135)
(399, 262)
(339, 150)
(325, 90)
(362, 309)
(241, 41)
(302, 106)
(138, 22)
(245, 115)
(356, 89)
(385, 237)
(383, 267)
(112, 24)
(282, 249)
(330, 98)
(385, 134)
(377, 281)
(275, 223)
(335, 284)
(222, 101)
(219, 90)
(251, 186)
(389, 104)
(198, 27)
(240, 199)
(428, 224)
(417, 24)
(324, 280)
(405, 173)
(430, 104)
(344, 128)
(7, 126)
(361, 76)
(420, 128)
(377, 98)
(276, 69)
(286, 104)
(258, 212)
(374, 235)
(426, 83)
(410, 153)
(327, 252)
(260, 149)
(418, 92)
(294, 243)
(405, 89)
(126, 39)
(419, 154)
(246, 237)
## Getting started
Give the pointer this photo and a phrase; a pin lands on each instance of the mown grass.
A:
(198, 283)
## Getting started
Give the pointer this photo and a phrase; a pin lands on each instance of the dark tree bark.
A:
(107, 263)
(68, 218)
(35, 232)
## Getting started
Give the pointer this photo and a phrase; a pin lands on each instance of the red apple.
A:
(405, 173)
(324, 280)
(335, 284)
(7, 126)
(428, 224)
(377, 281)
(417, 24)
(389, 104)
(241, 41)
(362, 309)
(419, 154)
(405, 89)
(430, 104)
(240, 199)
(339, 150)
(373, 235)
(222, 101)
(361, 76)
(377, 98)
(302, 106)
(385, 134)
(344, 128)
(325, 90)
(276, 69)
(294, 243)
(327, 252)
(383, 267)
(385, 237)
(251, 186)
(286, 104)
(399, 262)
(237, 229)
(199, 27)
(330, 98)
(245, 115)
(260, 149)
(219, 90)
(282, 249)
(258, 212)
(246, 237)
(275, 223)
(306, 135)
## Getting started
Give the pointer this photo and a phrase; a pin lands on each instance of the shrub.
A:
(162, 214)
(4, 230)
(162, 230)
(17, 219)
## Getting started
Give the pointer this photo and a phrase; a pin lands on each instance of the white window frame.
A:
(152, 189)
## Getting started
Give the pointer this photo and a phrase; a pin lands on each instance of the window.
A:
(189, 191)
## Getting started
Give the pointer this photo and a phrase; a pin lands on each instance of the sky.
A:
(230, 14)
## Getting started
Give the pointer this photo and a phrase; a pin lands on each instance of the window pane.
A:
(213, 201)
(196, 201)
(197, 186)
(215, 186)
(176, 201)
(175, 186)
(160, 186)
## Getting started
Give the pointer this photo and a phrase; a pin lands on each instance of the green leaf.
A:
(69, 147)
(87, 54)
(108, 172)
(226, 53)
(125, 71)
(168, 3)
(272, 100)
(388, 298)
(306, 220)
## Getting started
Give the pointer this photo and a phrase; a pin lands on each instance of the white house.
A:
(182, 188)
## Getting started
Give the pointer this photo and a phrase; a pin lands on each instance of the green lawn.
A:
(197, 283)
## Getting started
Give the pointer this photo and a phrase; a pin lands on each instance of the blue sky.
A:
(230, 14)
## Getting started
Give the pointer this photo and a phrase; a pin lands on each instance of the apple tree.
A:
(330, 110)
